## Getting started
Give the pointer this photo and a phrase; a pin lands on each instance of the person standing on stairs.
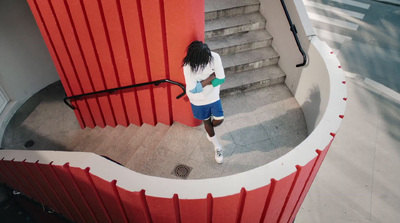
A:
(204, 74)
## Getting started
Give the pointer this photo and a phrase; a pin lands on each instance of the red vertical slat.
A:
(225, 208)
(154, 25)
(210, 208)
(91, 57)
(306, 188)
(295, 194)
(121, 59)
(177, 211)
(138, 54)
(21, 182)
(193, 210)
(89, 193)
(3, 178)
(56, 59)
(254, 204)
(119, 201)
(268, 200)
(74, 47)
(54, 181)
(35, 177)
(145, 206)
(10, 179)
(100, 32)
(36, 192)
(161, 209)
(133, 205)
(242, 200)
(184, 23)
(68, 182)
(50, 191)
(59, 40)
(110, 201)
(277, 201)
(285, 209)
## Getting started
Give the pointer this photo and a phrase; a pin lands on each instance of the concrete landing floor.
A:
(259, 127)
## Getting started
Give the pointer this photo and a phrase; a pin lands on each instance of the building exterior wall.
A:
(99, 45)
(25, 63)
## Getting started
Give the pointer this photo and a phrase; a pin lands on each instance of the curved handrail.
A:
(156, 83)
(294, 31)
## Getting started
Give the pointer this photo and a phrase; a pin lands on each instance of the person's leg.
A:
(217, 122)
(208, 125)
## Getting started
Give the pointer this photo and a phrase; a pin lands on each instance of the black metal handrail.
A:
(294, 31)
(156, 83)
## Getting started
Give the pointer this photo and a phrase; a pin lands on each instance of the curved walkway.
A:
(359, 179)
(259, 127)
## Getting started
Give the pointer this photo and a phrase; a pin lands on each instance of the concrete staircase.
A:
(236, 30)
(137, 148)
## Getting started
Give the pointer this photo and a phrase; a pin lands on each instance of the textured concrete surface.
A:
(359, 179)
(260, 126)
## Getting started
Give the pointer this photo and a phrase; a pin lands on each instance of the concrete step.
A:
(236, 31)
(241, 42)
(76, 137)
(177, 144)
(148, 147)
(118, 145)
(235, 24)
(226, 8)
(133, 144)
(249, 60)
(79, 136)
(110, 140)
(93, 139)
(251, 80)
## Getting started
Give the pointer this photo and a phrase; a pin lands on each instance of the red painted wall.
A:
(98, 45)
(84, 197)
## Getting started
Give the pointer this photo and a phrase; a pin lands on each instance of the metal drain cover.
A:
(29, 144)
(182, 171)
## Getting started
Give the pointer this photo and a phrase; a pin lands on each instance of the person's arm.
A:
(208, 80)
(219, 71)
(192, 84)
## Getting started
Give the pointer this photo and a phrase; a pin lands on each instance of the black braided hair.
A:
(198, 56)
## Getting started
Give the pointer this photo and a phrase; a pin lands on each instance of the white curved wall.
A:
(319, 87)
(273, 192)
(25, 63)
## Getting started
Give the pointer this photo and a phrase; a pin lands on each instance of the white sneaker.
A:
(208, 137)
(218, 155)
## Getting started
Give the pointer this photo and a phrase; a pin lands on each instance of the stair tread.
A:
(111, 140)
(253, 76)
(233, 21)
(145, 135)
(212, 5)
(78, 136)
(239, 39)
(247, 57)
(149, 145)
(93, 139)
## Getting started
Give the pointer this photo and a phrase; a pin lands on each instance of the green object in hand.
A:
(217, 82)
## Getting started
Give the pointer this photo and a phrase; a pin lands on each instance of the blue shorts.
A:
(204, 112)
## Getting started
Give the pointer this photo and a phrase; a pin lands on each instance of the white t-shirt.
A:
(209, 93)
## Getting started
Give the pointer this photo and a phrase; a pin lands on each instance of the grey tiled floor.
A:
(260, 126)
